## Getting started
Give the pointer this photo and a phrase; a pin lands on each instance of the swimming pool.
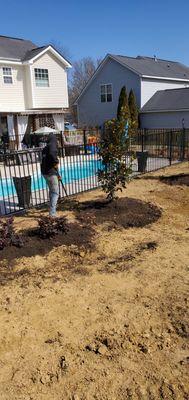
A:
(69, 173)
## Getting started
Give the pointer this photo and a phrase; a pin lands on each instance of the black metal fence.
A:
(9, 144)
(22, 185)
(163, 147)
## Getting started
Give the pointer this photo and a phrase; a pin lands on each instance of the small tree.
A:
(133, 110)
(123, 112)
(114, 173)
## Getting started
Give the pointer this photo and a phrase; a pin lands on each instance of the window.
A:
(106, 93)
(7, 75)
(41, 77)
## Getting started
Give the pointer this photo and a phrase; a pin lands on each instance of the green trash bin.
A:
(142, 157)
(23, 190)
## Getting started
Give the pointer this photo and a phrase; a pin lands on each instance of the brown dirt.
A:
(180, 179)
(102, 312)
(123, 212)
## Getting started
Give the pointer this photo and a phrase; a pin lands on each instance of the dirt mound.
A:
(123, 212)
(179, 179)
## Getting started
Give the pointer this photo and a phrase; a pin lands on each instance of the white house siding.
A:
(56, 94)
(164, 120)
(12, 95)
(150, 86)
(91, 112)
(27, 88)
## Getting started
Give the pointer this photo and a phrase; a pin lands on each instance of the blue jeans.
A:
(52, 182)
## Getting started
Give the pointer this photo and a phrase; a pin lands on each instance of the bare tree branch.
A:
(63, 50)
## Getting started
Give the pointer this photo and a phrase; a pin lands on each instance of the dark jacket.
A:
(50, 156)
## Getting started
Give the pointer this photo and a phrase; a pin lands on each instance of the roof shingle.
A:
(168, 100)
(14, 48)
(34, 52)
(154, 67)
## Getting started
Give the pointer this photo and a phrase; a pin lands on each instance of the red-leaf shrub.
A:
(49, 227)
(8, 236)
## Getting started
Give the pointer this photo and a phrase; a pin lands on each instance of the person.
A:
(49, 169)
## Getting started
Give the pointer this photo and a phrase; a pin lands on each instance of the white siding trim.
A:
(53, 51)
(5, 61)
(165, 78)
(32, 89)
(140, 92)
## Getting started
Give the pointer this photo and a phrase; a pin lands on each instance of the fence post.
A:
(85, 141)
(170, 146)
(62, 144)
(183, 144)
(4, 145)
(143, 138)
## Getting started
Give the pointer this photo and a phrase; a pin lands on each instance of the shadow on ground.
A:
(176, 180)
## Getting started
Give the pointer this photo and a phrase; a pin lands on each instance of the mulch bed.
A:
(123, 212)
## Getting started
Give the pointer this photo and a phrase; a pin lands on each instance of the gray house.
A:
(98, 100)
(166, 109)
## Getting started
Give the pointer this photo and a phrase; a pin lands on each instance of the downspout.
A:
(140, 92)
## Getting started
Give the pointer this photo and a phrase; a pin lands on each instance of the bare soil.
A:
(101, 313)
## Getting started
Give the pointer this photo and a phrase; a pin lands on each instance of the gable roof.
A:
(168, 100)
(33, 53)
(15, 49)
(147, 66)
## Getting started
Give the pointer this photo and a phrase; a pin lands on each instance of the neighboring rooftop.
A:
(154, 66)
(15, 48)
(34, 52)
(168, 100)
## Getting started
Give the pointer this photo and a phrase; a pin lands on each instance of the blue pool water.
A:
(69, 173)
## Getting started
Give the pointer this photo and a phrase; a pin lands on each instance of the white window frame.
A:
(7, 75)
(106, 92)
(41, 86)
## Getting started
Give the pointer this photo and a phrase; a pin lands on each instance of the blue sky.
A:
(94, 28)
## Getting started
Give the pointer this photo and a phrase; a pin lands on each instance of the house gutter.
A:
(164, 111)
(165, 78)
(11, 62)
(35, 111)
